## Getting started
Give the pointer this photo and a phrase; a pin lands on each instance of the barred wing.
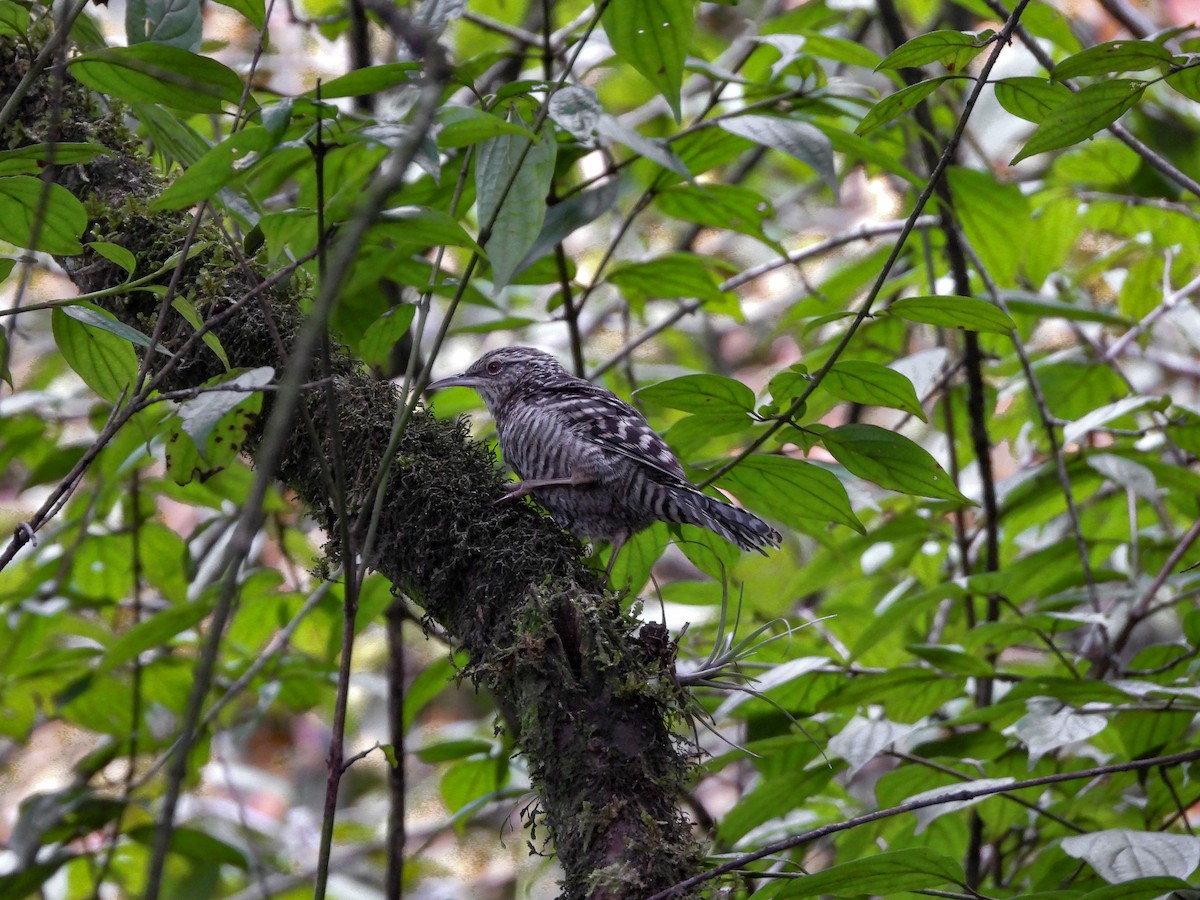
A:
(605, 418)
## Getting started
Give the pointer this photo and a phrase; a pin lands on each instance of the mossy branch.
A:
(541, 633)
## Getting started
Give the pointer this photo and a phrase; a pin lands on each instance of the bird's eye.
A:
(494, 368)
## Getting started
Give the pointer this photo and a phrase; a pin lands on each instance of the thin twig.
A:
(347, 547)
(834, 242)
(1142, 606)
(135, 687)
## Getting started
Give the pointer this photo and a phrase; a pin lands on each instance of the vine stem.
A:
(864, 311)
(948, 153)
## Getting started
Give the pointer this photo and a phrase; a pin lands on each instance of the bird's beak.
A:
(463, 380)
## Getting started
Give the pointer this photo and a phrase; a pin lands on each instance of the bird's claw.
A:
(513, 490)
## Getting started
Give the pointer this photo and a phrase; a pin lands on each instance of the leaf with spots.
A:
(653, 36)
(213, 424)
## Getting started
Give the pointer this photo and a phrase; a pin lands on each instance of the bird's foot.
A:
(513, 490)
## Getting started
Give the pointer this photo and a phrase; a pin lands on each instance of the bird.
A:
(589, 458)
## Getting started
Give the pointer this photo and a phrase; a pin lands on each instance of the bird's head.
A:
(498, 372)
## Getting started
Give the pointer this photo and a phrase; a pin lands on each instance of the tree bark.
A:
(594, 699)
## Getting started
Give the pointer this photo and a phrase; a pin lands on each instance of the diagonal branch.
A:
(594, 704)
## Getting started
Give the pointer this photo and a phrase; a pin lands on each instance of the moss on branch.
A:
(507, 584)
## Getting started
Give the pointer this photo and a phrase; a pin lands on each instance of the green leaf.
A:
(201, 414)
(1048, 726)
(1140, 889)
(709, 394)
(1141, 290)
(1035, 307)
(1051, 237)
(859, 381)
(471, 780)
(1187, 81)
(436, 677)
(901, 612)
(657, 151)
(995, 218)
(1098, 418)
(14, 19)
(789, 383)
(234, 156)
(254, 10)
(443, 751)
(194, 844)
(954, 49)
(158, 74)
(861, 740)
(465, 125)
(1114, 56)
(898, 103)
(805, 142)
(63, 218)
(115, 254)
(638, 555)
(154, 632)
(220, 437)
(928, 814)
(843, 50)
(708, 552)
(950, 311)
(672, 275)
(516, 216)
(725, 206)
(105, 362)
(420, 227)
(653, 36)
(563, 219)
(27, 881)
(877, 153)
(773, 798)
(375, 346)
(885, 874)
(1032, 99)
(794, 491)
(1120, 854)
(370, 80)
(1081, 115)
(96, 317)
(705, 149)
(211, 341)
(692, 433)
(891, 461)
(505, 323)
(174, 138)
(174, 23)
(32, 159)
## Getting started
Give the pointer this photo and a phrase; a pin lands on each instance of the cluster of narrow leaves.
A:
(1003, 655)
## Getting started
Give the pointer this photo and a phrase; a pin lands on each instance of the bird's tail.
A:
(744, 528)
